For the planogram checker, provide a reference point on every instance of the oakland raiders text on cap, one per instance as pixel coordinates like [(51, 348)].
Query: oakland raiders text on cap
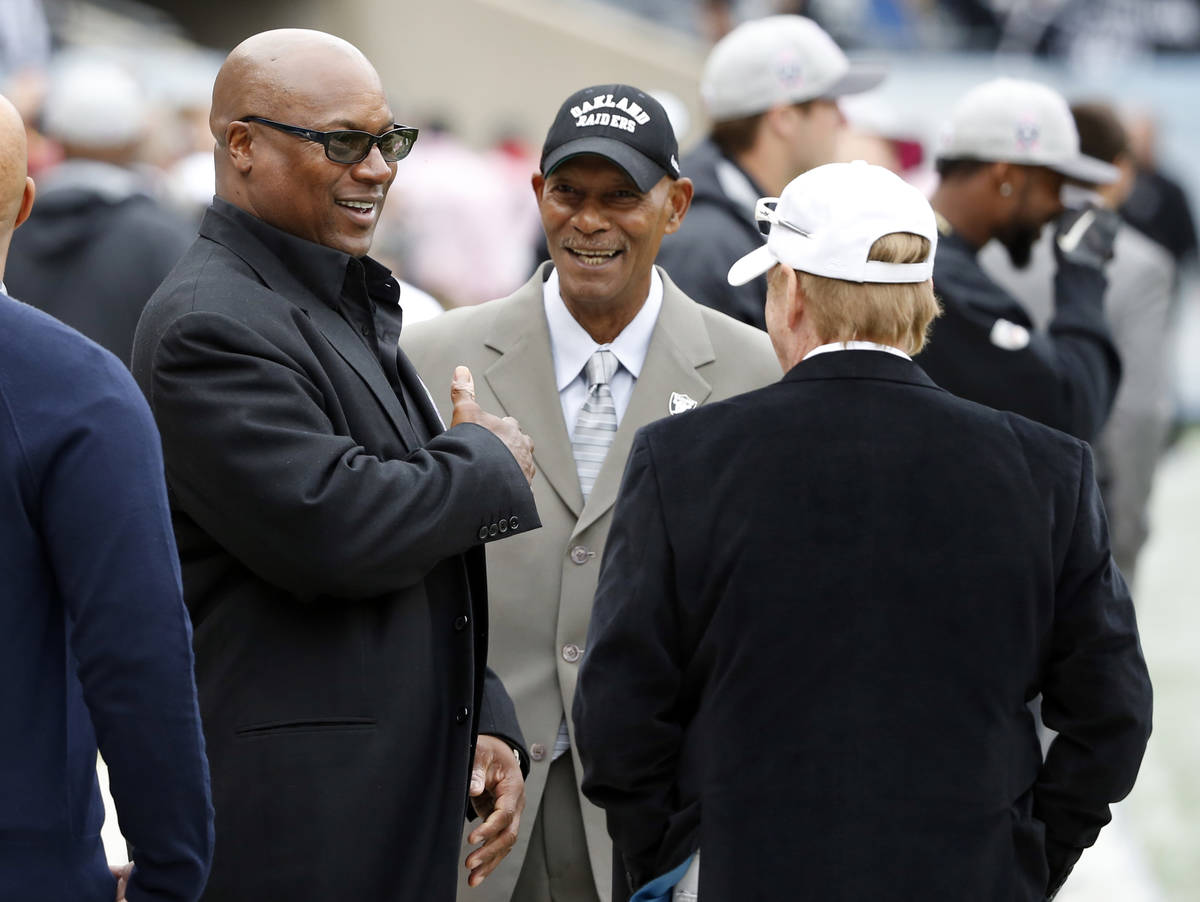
[(619, 123)]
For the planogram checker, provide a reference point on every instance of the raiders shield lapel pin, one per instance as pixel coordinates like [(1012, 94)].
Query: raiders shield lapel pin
[(679, 403)]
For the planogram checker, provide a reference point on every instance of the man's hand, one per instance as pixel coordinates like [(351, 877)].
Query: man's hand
[(1086, 235), (121, 872), (507, 429), (498, 794)]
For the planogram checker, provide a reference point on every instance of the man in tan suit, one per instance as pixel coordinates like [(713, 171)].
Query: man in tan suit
[(598, 343)]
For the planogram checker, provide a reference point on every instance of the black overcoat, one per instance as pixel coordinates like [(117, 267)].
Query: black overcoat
[(333, 567), (823, 609)]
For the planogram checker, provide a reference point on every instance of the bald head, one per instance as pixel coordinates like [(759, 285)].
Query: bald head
[(276, 74), (16, 188)]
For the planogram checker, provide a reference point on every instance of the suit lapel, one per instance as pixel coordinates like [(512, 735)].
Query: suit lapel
[(679, 345), (524, 384), (224, 228), (419, 392), (347, 343)]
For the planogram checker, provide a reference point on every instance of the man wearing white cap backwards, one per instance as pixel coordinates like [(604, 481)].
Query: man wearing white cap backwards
[(1006, 153), (771, 88), (824, 605)]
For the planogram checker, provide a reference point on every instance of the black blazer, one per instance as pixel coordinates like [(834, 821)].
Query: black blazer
[(334, 571), (822, 611)]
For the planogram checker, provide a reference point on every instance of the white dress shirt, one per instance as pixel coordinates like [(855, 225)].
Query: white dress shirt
[(571, 346), (854, 346)]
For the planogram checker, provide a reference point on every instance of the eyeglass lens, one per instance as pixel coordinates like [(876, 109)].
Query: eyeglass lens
[(353, 146)]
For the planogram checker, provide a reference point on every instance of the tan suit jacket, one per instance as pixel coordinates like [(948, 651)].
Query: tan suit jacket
[(541, 585)]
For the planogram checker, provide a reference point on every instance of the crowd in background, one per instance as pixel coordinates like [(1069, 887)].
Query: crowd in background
[(120, 148)]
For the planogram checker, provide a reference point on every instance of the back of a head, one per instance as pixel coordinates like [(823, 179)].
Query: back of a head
[(1101, 134), (862, 241), (891, 313), (94, 106), (13, 171)]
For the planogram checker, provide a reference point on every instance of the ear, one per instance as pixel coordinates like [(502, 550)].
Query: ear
[(26, 201), (780, 119), (679, 200), (239, 147), (539, 185)]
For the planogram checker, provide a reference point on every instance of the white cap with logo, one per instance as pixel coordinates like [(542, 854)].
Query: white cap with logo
[(778, 59), (1010, 120), (827, 219)]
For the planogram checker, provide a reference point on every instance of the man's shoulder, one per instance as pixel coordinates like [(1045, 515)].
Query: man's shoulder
[(211, 277), (467, 329), (34, 340), (733, 341), (45, 362)]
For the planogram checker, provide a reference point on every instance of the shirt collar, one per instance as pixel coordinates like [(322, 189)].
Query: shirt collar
[(855, 346), (322, 270), (738, 186), (571, 346)]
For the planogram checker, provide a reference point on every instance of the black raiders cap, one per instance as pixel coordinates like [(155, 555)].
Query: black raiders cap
[(619, 123)]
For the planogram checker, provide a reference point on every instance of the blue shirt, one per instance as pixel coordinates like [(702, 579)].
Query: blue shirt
[(95, 643)]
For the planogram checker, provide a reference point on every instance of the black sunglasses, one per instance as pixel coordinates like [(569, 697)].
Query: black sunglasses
[(350, 146)]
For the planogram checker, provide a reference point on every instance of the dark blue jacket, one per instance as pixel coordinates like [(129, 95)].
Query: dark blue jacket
[(95, 644), (985, 348), (716, 231)]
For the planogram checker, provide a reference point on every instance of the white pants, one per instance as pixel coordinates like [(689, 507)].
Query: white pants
[(688, 888)]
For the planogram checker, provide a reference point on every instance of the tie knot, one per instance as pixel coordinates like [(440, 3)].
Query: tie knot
[(600, 368)]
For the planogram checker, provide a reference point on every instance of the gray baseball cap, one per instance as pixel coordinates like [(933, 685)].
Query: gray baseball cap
[(774, 60), (1010, 120)]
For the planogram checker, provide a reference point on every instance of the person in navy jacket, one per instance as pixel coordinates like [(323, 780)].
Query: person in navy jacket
[(95, 642), (859, 581)]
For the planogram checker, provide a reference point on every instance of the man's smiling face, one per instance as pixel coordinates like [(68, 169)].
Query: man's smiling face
[(295, 187), (602, 232)]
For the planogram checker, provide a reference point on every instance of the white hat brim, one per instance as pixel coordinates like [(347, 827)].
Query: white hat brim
[(751, 266), (1088, 169), (857, 80)]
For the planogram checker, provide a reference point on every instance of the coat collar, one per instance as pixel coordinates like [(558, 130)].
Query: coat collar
[(859, 365), (311, 277), (523, 381)]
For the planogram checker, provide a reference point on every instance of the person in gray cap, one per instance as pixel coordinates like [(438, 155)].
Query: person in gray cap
[(1138, 307), (99, 241), (598, 343), (1008, 150), (771, 88)]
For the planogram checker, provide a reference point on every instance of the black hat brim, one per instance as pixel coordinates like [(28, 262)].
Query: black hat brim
[(644, 171)]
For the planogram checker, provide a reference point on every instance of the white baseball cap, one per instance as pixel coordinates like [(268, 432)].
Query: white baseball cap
[(778, 59), (827, 219), (1009, 120), (94, 103)]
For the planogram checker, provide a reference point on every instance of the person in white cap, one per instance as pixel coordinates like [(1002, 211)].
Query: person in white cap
[(99, 241), (825, 604), (1008, 150), (770, 87)]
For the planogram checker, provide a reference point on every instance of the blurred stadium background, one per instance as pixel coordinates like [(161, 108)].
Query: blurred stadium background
[(483, 77)]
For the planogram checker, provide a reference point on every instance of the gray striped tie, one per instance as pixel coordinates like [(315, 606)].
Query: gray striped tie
[(597, 423)]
